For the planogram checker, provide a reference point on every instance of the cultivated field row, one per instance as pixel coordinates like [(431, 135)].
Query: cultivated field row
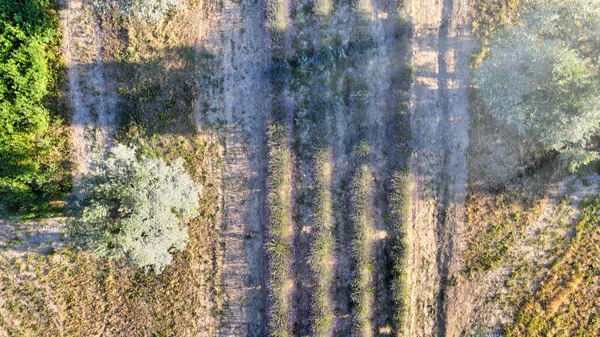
[(336, 205)]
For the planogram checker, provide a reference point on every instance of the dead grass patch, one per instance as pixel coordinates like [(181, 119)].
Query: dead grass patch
[(567, 300)]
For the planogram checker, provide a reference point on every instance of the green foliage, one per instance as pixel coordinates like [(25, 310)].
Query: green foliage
[(150, 10), (31, 170), (133, 208), (543, 76)]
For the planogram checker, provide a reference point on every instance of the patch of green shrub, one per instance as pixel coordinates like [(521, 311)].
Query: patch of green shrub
[(33, 143)]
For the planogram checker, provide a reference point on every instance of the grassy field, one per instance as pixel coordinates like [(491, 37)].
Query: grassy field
[(566, 301)]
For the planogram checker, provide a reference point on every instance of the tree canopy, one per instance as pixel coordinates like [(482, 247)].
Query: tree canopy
[(134, 208), (150, 10), (542, 76), (29, 42)]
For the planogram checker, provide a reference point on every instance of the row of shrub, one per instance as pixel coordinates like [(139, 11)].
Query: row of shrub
[(362, 294), (398, 154), (33, 141), (321, 257), (399, 201), (280, 230)]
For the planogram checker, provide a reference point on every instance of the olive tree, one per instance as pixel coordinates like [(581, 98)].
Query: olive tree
[(134, 208), (150, 10), (542, 76)]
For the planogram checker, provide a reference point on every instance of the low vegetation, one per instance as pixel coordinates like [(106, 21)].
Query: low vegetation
[(34, 146), (322, 249), (279, 231), (133, 208), (400, 217), (566, 302), (362, 252)]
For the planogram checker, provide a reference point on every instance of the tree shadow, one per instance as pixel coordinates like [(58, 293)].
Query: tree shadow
[(44, 237)]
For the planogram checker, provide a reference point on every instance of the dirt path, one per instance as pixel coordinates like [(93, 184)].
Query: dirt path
[(441, 54), (92, 95), (238, 104), (384, 69)]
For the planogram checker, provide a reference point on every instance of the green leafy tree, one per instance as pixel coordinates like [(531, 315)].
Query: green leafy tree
[(542, 75), (134, 208), (29, 39)]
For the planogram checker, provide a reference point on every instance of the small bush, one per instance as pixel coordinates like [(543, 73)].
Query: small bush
[(133, 208)]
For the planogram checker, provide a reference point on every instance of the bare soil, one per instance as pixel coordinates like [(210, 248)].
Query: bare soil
[(92, 94), (441, 55), (236, 109)]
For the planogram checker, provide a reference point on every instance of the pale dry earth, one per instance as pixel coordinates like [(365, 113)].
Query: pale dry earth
[(440, 123), (92, 93), (237, 108)]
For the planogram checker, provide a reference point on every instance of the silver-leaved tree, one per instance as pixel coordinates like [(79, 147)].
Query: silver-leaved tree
[(542, 76), (134, 208), (150, 10)]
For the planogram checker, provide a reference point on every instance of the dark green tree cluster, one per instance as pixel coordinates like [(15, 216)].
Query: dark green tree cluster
[(29, 40)]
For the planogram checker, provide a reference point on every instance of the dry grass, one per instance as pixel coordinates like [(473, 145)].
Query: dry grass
[(508, 182), (567, 300), (158, 67)]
